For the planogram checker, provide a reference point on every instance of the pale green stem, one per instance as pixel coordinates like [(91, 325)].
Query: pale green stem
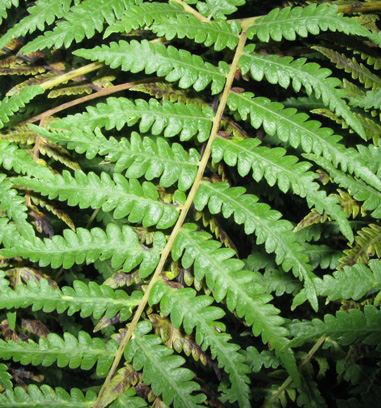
[(191, 10), (184, 211)]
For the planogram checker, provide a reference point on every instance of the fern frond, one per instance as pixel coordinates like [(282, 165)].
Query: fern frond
[(42, 13), (322, 256), (357, 189), (367, 244), (15, 207), (168, 118), (121, 245), (71, 351), (289, 22), (11, 157), (351, 66), (219, 34), (5, 5), (195, 313), (88, 299), (218, 9), (258, 360), (372, 157), (286, 71), (351, 282), (46, 397), (10, 105), (77, 25), (224, 276), (162, 370), (347, 328), (297, 130), (144, 15), (371, 100), (274, 280), (140, 202), (276, 167), (176, 65), (276, 234)]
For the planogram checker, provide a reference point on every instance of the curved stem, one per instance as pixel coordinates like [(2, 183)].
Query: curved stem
[(184, 211)]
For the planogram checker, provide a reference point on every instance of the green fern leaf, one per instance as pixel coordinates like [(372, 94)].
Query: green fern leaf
[(258, 360), (295, 128), (5, 377), (11, 157), (5, 5), (350, 65), (144, 15), (195, 312), (46, 397), (130, 400), (351, 282), (357, 189), (372, 157), (218, 9), (225, 277), (141, 157), (219, 34), (42, 13), (289, 22), (371, 100), (162, 370), (10, 105), (276, 167), (121, 245), (168, 118), (83, 352), (176, 65), (349, 327), (90, 299), (322, 256), (259, 218), (15, 207), (138, 201), (316, 80), (77, 25)]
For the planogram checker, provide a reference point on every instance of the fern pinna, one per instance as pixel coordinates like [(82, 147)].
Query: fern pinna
[(190, 198)]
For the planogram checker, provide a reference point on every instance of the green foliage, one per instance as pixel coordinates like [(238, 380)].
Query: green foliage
[(188, 203)]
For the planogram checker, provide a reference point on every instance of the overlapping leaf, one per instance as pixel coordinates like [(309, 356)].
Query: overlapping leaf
[(83, 352), (140, 202), (188, 69), (41, 13), (120, 245), (299, 73), (276, 167), (218, 9), (291, 21), (88, 299), (162, 370), (297, 130), (195, 313), (225, 277), (276, 234)]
